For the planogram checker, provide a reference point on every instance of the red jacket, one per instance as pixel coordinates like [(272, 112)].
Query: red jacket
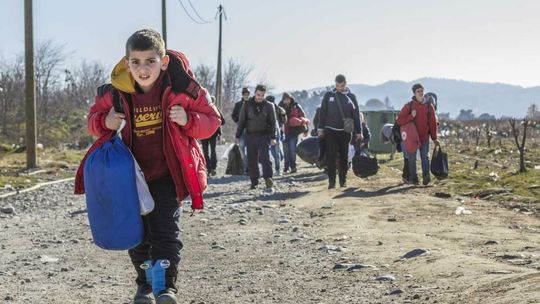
[(182, 152), (425, 126)]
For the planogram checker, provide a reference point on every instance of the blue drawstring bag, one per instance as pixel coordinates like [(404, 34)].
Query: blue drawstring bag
[(111, 196)]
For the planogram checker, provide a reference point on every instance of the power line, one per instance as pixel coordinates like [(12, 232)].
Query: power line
[(196, 13), (189, 15)]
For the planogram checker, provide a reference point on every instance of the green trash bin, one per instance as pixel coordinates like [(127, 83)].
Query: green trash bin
[(375, 121)]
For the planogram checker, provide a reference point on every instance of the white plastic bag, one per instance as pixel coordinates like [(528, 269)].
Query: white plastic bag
[(226, 153), (146, 201)]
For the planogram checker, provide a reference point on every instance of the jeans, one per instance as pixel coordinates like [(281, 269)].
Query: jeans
[(424, 156), (276, 152), (243, 150), (289, 149)]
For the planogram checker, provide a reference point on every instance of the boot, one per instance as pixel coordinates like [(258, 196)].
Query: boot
[(144, 283), (269, 182), (405, 175), (167, 296), (163, 283), (426, 179), (144, 295)]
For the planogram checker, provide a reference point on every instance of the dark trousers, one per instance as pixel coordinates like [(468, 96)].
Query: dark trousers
[(161, 231), (209, 150), (258, 151), (337, 142)]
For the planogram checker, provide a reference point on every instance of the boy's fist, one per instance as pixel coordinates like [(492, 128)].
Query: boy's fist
[(113, 120), (179, 115)]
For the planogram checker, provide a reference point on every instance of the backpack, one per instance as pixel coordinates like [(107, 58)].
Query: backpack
[(235, 165)]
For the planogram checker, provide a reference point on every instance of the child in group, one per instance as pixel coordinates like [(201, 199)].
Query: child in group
[(165, 110)]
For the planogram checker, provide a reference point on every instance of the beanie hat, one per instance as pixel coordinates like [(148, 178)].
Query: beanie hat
[(245, 90)]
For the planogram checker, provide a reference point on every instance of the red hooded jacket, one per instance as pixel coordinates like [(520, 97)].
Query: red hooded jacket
[(182, 152), (425, 126)]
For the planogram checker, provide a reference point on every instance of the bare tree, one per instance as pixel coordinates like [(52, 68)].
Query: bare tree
[(49, 58), (11, 96), (521, 147), (206, 76), (235, 77)]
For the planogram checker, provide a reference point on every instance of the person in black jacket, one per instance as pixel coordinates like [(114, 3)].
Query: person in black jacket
[(235, 117), (331, 127), (258, 119), (209, 146)]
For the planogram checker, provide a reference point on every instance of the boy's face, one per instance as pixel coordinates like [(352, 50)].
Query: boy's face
[(419, 94), (145, 67)]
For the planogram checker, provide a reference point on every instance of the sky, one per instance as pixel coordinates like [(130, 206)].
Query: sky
[(302, 44)]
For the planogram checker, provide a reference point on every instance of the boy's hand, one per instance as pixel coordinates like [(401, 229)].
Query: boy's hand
[(179, 115), (114, 120), (273, 142), (359, 137)]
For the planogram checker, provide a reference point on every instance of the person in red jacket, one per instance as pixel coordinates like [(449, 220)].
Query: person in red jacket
[(422, 114), (165, 110), (296, 124)]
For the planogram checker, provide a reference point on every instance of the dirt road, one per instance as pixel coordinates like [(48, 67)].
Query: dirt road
[(301, 244)]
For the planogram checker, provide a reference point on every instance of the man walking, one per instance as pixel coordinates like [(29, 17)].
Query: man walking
[(422, 114), (339, 117), (258, 119)]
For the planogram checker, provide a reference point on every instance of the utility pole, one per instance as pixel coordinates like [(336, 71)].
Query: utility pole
[(164, 21), (218, 73), (30, 95)]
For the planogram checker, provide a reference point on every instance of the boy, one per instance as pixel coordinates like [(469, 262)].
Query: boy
[(165, 110), (423, 115)]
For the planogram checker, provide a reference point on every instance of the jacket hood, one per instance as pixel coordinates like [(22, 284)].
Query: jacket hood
[(287, 95), (180, 76), (347, 91), (121, 79)]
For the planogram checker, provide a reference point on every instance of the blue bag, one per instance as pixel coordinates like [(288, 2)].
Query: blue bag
[(111, 197)]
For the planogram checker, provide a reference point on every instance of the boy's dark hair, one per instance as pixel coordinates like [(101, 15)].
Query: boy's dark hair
[(416, 86), (144, 40), (340, 78), (271, 98), (260, 87)]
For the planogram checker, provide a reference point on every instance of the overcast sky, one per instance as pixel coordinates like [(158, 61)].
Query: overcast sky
[(300, 44)]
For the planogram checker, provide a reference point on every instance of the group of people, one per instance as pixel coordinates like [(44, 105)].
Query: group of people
[(263, 127), (166, 111)]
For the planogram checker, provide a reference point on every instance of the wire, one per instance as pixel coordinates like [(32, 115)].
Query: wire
[(188, 14), (196, 13)]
